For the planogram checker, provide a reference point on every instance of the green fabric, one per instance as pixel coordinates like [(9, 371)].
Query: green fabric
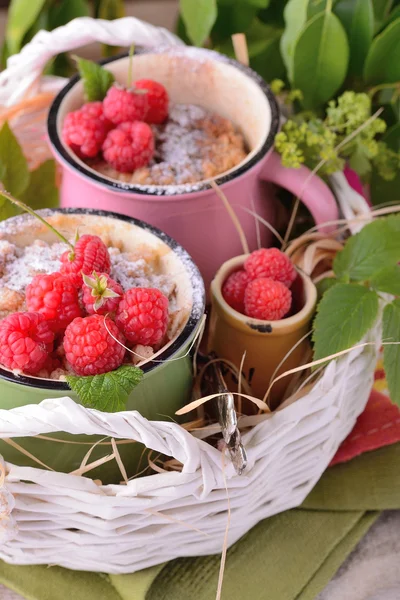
[(290, 556), (337, 557), (55, 583), (136, 585), (369, 482)]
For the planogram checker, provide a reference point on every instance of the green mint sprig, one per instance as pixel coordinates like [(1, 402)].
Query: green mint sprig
[(365, 269), (96, 79), (37, 188), (107, 392)]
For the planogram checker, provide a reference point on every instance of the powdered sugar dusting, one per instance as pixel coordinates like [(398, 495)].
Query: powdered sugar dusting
[(193, 145), (39, 257)]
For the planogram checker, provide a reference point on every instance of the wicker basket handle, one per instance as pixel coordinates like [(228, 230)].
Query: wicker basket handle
[(24, 69), (63, 414)]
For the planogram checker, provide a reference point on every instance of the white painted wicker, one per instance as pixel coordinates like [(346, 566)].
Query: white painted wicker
[(48, 517)]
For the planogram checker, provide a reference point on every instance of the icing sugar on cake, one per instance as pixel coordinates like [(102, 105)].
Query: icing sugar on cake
[(193, 145)]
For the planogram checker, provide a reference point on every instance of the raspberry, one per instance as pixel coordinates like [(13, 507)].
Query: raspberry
[(129, 146), (25, 342), (85, 130), (122, 105), (55, 297), (267, 300), (101, 294), (157, 97), (143, 316), (271, 263), (90, 254), (90, 349), (234, 288)]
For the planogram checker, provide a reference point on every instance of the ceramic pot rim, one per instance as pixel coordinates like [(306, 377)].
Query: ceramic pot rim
[(198, 307), (123, 187), (259, 326)]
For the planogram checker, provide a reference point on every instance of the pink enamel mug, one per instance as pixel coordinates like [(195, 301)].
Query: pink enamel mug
[(193, 214)]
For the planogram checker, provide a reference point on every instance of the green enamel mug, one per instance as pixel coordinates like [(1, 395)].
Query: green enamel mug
[(167, 381)]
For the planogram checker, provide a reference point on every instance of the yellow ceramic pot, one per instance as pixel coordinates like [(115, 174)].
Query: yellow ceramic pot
[(266, 343)]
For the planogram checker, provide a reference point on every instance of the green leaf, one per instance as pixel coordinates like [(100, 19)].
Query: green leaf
[(96, 79), (111, 9), (395, 14), (63, 12), (315, 7), (7, 209), (357, 17), (359, 160), (199, 17), (321, 58), (376, 246), (21, 16), (383, 61), (14, 168), (237, 18), (382, 190), (259, 3), (345, 314), (295, 14), (387, 280), (108, 392), (381, 11), (391, 353), (42, 191), (325, 284)]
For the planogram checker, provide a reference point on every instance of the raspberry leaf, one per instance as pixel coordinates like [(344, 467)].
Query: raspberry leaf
[(376, 246), (42, 191), (96, 79), (107, 392), (391, 353), (345, 314), (13, 166), (387, 280)]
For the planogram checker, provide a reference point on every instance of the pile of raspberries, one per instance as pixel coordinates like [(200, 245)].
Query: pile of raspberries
[(261, 289), (119, 126), (82, 313)]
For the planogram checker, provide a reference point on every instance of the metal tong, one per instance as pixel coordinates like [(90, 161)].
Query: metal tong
[(215, 384)]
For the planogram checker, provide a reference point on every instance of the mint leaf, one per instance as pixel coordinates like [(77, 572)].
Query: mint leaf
[(42, 191), (107, 392), (96, 79), (14, 168), (387, 280), (345, 314), (391, 354), (198, 16), (376, 246)]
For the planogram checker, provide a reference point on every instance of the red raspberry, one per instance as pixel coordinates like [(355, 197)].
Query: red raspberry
[(143, 316), (157, 97), (90, 349), (55, 297), (234, 288), (25, 342), (90, 254), (101, 294), (267, 300), (129, 146), (122, 105), (271, 263), (85, 130)]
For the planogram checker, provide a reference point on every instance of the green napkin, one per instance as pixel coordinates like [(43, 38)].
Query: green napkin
[(290, 556)]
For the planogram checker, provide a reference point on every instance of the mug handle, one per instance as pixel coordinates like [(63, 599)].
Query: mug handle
[(313, 192)]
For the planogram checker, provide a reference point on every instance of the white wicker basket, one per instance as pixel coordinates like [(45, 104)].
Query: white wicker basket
[(53, 518)]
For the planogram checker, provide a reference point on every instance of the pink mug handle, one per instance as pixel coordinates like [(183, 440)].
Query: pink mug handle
[(312, 191)]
